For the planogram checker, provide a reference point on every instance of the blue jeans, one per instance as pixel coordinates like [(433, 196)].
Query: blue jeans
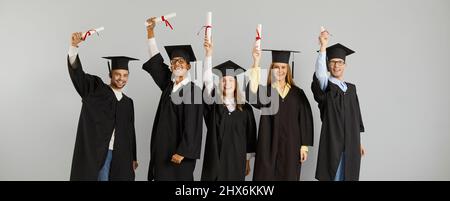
[(103, 175), (340, 176)]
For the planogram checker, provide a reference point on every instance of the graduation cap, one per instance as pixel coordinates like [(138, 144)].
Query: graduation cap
[(118, 62), (282, 56), (184, 51), (338, 51), (228, 68)]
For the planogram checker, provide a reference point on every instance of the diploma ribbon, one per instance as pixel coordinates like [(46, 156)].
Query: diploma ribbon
[(167, 22), (206, 29), (258, 36), (88, 33)]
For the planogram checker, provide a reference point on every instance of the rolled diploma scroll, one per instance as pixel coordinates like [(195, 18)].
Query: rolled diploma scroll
[(322, 29), (90, 32), (208, 25), (258, 37), (166, 17)]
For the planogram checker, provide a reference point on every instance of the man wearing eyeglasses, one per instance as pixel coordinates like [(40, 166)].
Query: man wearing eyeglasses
[(340, 148), (177, 127)]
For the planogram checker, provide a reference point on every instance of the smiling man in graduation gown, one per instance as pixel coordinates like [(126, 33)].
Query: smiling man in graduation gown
[(105, 147), (177, 129), (340, 148)]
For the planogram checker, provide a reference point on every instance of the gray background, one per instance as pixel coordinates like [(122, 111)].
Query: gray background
[(401, 70)]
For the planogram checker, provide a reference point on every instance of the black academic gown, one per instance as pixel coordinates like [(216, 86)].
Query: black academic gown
[(230, 136), (177, 128), (101, 113), (341, 127), (282, 134)]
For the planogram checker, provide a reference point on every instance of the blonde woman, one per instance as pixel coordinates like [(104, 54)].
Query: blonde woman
[(286, 128)]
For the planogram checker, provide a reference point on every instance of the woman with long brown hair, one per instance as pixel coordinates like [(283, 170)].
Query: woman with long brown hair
[(231, 136), (286, 124)]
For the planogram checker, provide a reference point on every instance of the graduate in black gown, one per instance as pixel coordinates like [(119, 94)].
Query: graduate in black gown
[(105, 147), (286, 123), (177, 129), (231, 136), (340, 148)]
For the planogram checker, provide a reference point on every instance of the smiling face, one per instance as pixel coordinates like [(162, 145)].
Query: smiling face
[(228, 85), (336, 67), (279, 71), (179, 66), (119, 78)]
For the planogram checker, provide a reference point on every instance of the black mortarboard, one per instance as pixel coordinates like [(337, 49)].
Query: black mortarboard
[(283, 56), (338, 51), (118, 62), (228, 68), (184, 51)]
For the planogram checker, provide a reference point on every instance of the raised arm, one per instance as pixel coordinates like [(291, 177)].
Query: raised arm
[(155, 66), (254, 90), (207, 66), (153, 48), (255, 71), (83, 82), (321, 71)]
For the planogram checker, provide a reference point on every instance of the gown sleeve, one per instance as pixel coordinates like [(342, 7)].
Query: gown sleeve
[(133, 133), (319, 94), (251, 130), (191, 139), (209, 99), (84, 83), (159, 71), (253, 88), (306, 121), (361, 124), (260, 99)]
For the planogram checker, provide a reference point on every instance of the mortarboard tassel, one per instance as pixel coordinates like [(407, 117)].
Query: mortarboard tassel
[(109, 69), (195, 66), (293, 59)]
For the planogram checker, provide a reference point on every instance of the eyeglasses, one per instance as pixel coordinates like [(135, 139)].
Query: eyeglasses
[(337, 63), (178, 60)]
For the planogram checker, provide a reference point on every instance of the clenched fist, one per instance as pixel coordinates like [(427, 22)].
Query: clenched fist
[(76, 39)]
